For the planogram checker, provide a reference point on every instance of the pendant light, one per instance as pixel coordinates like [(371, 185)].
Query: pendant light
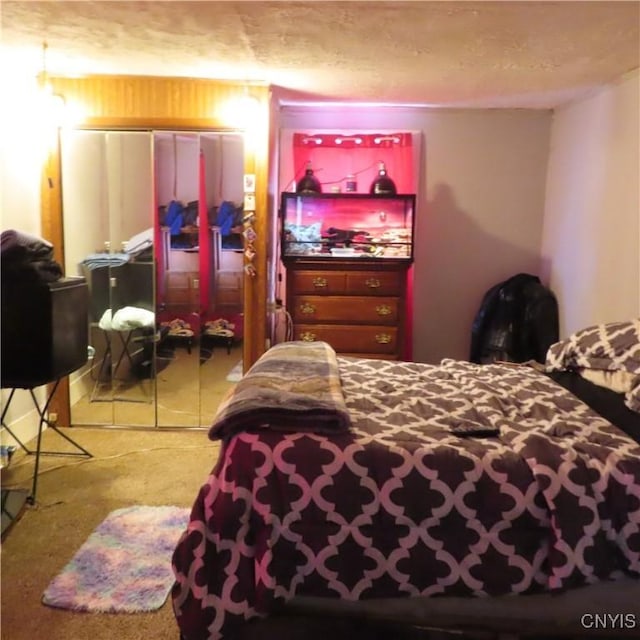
[(383, 184), (309, 182)]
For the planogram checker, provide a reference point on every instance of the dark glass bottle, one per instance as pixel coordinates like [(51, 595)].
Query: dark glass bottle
[(383, 184), (309, 183)]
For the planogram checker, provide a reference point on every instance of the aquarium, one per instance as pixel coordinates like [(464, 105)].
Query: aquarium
[(347, 226)]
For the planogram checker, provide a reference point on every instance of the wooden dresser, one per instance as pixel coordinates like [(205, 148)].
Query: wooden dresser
[(357, 306)]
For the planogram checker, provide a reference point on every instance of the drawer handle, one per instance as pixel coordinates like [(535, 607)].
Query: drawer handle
[(383, 310), (307, 336), (196, 283), (372, 283), (320, 283), (307, 309), (383, 338)]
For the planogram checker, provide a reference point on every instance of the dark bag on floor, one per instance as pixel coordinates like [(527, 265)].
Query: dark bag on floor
[(517, 321)]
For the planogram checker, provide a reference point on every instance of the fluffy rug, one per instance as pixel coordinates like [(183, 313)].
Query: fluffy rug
[(235, 375), (125, 564)]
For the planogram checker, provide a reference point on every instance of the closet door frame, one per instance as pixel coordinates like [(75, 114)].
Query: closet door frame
[(155, 103)]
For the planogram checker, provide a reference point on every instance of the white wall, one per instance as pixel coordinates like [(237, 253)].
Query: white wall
[(129, 176), (224, 164), (179, 167), (23, 147), (480, 207), (176, 167), (591, 238), (84, 196)]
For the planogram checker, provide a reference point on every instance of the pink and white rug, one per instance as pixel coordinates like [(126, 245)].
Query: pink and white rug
[(125, 564)]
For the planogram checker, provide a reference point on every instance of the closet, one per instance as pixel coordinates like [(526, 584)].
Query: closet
[(141, 223)]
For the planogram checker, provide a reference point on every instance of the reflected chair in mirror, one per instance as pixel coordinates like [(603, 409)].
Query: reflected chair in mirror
[(122, 313)]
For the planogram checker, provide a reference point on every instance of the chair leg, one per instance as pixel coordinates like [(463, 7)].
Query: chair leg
[(6, 426), (42, 413)]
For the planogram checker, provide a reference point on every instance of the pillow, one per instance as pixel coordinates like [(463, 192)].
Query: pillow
[(613, 346), (608, 349), (617, 381)]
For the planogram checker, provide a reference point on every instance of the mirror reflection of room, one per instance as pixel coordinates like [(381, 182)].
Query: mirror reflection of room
[(106, 179), (198, 190), (153, 220)]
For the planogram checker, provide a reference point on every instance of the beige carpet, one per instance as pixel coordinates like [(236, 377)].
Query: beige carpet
[(73, 496), (147, 466)]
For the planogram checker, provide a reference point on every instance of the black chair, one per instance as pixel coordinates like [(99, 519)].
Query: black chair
[(44, 339)]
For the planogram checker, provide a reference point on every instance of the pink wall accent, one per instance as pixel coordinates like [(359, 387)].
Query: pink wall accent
[(204, 238), (480, 177)]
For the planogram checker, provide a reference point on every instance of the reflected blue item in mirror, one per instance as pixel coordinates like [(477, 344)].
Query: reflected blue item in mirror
[(174, 218), (226, 217)]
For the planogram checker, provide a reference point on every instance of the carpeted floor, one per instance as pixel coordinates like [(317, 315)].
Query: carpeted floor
[(74, 496)]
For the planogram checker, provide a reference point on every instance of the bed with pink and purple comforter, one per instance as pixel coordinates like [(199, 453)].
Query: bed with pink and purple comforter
[(354, 479)]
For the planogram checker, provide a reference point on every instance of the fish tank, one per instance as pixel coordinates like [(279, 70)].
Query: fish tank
[(347, 226)]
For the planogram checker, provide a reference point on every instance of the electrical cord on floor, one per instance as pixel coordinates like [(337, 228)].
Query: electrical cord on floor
[(289, 325), (73, 463)]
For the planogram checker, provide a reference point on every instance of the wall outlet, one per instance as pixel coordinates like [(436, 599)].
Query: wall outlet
[(52, 417)]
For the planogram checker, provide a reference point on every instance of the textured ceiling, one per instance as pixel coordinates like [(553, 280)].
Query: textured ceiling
[(450, 54)]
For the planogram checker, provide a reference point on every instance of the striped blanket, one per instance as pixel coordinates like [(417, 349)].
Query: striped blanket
[(295, 386)]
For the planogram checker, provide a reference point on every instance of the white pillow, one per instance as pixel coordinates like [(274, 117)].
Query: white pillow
[(618, 381)]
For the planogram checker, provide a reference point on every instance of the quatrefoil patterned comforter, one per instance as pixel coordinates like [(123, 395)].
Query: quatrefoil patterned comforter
[(401, 506)]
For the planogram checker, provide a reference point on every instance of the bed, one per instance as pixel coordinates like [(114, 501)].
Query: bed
[(427, 493)]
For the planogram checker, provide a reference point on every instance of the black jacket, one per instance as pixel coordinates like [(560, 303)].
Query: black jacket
[(517, 321)]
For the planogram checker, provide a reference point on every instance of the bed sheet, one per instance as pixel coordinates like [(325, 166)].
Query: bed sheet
[(400, 506)]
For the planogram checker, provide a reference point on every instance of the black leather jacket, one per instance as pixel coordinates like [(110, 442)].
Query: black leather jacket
[(517, 321)]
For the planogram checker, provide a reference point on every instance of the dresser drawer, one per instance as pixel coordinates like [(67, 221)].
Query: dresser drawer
[(180, 260), (376, 283), (183, 279), (229, 280), (345, 309), (228, 288), (183, 288), (231, 260), (183, 297), (320, 282), (351, 339)]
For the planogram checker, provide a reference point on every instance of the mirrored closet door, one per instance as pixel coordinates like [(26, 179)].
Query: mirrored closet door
[(107, 208), (199, 193), (153, 220)]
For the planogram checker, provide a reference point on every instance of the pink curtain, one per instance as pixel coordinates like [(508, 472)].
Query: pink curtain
[(203, 239), (160, 258), (334, 156)]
